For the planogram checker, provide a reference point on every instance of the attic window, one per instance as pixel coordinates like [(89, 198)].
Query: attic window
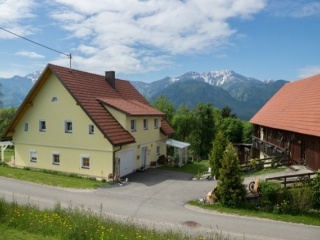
[(54, 99), (91, 129), (68, 126), (42, 126)]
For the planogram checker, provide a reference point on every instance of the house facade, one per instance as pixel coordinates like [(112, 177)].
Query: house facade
[(289, 124), (87, 124)]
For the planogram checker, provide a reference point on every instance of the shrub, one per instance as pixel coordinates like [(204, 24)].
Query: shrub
[(302, 199), (231, 191), (315, 185), (269, 193)]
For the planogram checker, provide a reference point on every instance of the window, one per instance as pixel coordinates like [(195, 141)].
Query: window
[(33, 156), (68, 126), (91, 129), (55, 158), (42, 126), (156, 123), (26, 127), (85, 161), (158, 150), (145, 124), (133, 125)]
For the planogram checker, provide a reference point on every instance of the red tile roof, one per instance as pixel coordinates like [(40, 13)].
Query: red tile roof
[(166, 128), (89, 90), (131, 107), (295, 107)]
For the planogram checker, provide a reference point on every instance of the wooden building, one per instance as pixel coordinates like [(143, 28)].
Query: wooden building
[(289, 124)]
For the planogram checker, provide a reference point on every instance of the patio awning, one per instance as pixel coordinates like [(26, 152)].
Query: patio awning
[(177, 144)]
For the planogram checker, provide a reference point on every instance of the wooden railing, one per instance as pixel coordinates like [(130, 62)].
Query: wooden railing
[(270, 162), (288, 180)]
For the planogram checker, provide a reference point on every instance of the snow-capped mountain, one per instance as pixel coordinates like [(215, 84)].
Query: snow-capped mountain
[(33, 76), (215, 78), (221, 88), (226, 79)]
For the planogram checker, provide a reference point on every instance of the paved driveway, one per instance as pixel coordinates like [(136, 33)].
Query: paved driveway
[(157, 198)]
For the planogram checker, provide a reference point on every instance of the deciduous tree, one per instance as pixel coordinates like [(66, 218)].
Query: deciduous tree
[(164, 105)]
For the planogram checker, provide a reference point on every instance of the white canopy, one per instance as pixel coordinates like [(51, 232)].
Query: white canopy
[(177, 144), (3, 146)]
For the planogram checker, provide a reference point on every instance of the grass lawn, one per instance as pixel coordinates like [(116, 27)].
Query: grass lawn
[(309, 219), (52, 179), (193, 168)]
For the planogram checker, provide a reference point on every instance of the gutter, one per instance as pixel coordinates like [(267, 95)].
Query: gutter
[(114, 162)]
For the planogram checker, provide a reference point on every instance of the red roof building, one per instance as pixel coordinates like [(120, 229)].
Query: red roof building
[(290, 123), (77, 100)]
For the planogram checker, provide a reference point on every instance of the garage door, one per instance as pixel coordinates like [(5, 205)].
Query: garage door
[(126, 162)]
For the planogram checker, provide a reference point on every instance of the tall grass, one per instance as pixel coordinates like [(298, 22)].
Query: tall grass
[(75, 223)]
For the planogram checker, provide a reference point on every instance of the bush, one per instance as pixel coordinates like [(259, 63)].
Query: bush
[(315, 185), (269, 193), (230, 190), (302, 199)]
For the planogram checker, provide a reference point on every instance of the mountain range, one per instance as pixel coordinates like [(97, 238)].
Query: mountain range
[(245, 96)]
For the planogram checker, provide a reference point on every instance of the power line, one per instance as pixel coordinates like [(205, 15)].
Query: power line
[(68, 55)]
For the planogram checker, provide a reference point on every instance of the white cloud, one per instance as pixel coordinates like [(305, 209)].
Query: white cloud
[(13, 16), (29, 54), (297, 8), (138, 36), (309, 71)]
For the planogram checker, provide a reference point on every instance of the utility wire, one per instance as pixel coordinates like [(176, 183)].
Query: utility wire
[(68, 55)]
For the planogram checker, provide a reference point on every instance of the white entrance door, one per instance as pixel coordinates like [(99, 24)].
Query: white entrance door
[(126, 162)]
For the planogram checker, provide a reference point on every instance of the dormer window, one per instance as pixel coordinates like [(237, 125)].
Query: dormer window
[(145, 124), (156, 123), (133, 125)]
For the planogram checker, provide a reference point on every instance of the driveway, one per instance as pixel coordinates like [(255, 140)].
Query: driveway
[(157, 198)]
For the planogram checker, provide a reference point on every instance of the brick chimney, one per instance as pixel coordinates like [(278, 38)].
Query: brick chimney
[(111, 79)]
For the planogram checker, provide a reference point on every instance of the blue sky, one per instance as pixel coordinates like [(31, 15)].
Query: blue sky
[(148, 40)]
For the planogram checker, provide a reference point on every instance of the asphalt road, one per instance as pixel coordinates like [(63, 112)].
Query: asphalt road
[(157, 199)]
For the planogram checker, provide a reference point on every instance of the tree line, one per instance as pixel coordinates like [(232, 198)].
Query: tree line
[(203, 124)]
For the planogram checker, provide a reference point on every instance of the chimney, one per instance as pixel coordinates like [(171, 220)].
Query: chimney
[(111, 79)]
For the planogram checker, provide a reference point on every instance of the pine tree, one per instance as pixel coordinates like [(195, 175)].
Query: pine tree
[(216, 155), (231, 191)]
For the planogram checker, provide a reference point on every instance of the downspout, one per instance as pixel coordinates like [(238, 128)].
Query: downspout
[(114, 162)]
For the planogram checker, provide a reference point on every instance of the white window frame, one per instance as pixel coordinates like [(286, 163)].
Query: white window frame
[(42, 125), (82, 158), (155, 123), (26, 127), (133, 125), (145, 124), (158, 150), (53, 154), (91, 129), (33, 156), (68, 126)]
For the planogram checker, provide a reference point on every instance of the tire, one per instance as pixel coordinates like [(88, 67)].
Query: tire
[(302, 162), (251, 186)]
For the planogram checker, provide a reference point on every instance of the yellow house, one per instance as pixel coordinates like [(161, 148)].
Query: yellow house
[(78, 122)]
